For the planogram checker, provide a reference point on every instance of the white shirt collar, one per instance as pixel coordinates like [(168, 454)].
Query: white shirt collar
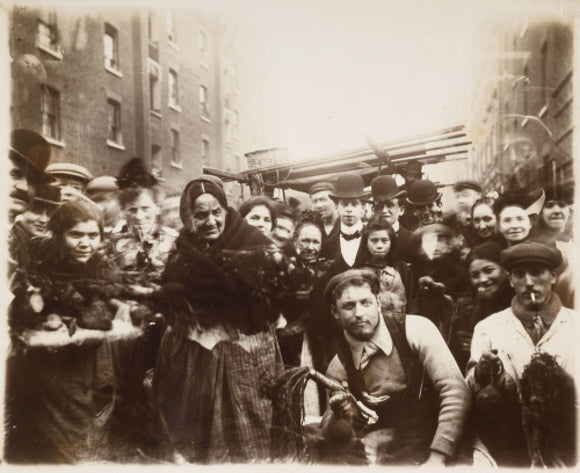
[(353, 228), (396, 226)]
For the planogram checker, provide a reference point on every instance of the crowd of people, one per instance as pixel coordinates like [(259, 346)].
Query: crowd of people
[(423, 332)]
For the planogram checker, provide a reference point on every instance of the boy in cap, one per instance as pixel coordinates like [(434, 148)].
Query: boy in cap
[(104, 192), (72, 179), (536, 322), (401, 368), (323, 205)]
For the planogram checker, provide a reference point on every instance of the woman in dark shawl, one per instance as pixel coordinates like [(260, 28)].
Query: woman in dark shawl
[(221, 345)]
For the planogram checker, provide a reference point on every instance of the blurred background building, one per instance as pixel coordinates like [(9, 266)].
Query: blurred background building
[(521, 115), (171, 86)]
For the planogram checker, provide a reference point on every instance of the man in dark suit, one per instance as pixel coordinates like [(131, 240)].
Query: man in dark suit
[(345, 246), (387, 203)]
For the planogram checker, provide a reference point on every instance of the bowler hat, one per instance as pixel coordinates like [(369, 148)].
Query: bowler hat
[(531, 252), (384, 188), (422, 192), (102, 184), (366, 274), (349, 186), (32, 151), (469, 184), (70, 171), (47, 195), (321, 186)]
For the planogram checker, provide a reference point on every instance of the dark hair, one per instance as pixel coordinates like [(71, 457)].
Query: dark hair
[(483, 201), (71, 213), (377, 224), (286, 211), (255, 201), (130, 194), (309, 217), (357, 282)]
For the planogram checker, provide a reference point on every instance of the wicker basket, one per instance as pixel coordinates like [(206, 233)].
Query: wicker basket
[(267, 157)]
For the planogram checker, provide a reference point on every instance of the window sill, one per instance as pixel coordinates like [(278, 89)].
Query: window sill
[(52, 141), (173, 45), (48, 50), (177, 108), (115, 72), (112, 144), (176, 165), (205, 119), (156, 114)]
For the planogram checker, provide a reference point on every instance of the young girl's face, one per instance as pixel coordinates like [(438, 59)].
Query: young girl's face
[(379, 243)]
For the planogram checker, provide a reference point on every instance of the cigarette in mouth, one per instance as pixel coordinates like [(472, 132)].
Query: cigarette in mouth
[(533, 297)]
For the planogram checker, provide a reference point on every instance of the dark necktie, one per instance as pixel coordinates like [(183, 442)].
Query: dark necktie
[(352, 236)]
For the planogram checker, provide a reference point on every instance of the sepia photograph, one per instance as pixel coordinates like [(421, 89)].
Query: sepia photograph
[(289, 233)]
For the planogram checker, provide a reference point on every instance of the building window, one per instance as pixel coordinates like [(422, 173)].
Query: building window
[(204, 151), (50, 108), (152, 27), (114, 122), (175, 154), (155, 86), (173, 89), (171, 28), (203, 101), (202, 43), (111, 48), (47, 34), (156, 161)]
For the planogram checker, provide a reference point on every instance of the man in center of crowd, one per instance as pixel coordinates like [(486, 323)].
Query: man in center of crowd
[(345, 247), (399, 367)]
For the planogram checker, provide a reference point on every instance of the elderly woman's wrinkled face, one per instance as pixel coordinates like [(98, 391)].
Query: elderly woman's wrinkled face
[(82, 241), (487, 277), (207, 218), (141, 213)]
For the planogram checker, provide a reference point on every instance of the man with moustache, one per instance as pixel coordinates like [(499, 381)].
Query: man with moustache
[(29, 155), (504, 343), (323, 205), (401, 368), (423, 205)]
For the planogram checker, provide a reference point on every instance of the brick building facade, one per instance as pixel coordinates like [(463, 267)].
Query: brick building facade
[(170, 86)]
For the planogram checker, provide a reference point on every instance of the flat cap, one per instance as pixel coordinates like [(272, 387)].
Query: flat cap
[(70, 170), (367, 274), (102, 184), (530, 252), (469, 184), (321, 186)]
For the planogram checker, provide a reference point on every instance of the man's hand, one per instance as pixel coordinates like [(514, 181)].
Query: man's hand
[(428, 284), (488, 365), (343, 405)]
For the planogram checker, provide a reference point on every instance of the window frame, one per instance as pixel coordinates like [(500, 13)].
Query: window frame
[(112, 62), (173, 89), (51, 119), (114, 122)]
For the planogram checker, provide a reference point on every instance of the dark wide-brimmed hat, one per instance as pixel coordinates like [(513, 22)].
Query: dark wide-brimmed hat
[(385, 188), (516, 199), (349, 186), (46, 195), (560, 193), (70, 171), (366, 274), (321, 186), (531, 252), (422, 192), (32, 151), (468, 184)]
